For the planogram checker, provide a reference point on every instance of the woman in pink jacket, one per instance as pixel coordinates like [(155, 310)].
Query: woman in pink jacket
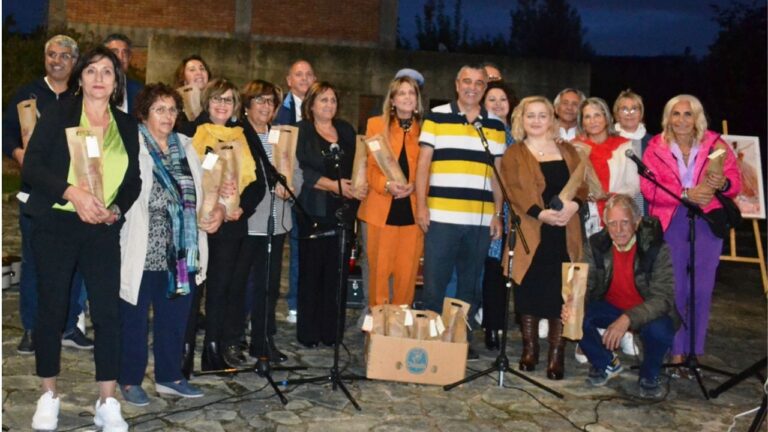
[(679, 158)]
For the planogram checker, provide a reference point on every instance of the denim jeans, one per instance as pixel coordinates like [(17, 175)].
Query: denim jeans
[(449, 246), (656, 336), (293, 272), (28, 282)]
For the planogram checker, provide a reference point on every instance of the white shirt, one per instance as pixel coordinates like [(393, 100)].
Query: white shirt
[(568, 134), (297, 104)]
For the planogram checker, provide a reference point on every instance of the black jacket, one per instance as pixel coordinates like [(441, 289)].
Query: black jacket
[(46, 162)]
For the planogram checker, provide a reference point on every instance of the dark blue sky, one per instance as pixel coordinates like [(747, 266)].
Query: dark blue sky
[(614, 27)]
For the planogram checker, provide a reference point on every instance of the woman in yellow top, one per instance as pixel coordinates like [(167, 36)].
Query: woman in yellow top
[(395, 242), (76, 229), (224, 312)]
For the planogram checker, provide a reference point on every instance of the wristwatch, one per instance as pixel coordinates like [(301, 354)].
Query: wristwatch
[(684, 195)]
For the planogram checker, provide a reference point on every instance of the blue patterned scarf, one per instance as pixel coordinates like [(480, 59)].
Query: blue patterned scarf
[(175, 178)]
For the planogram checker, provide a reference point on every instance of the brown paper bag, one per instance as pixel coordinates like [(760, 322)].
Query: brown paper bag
[(396, 323), (359, 171), (27, 118), (574, 290), (86, 147), (454, 317), (230, 154), (191, 97), (212, 175), (590, 176), (377, 324), (385, 159), (426, 325), (575, 181), (283, 139)]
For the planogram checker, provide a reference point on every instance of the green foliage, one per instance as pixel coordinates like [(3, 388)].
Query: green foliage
[(547, 29)]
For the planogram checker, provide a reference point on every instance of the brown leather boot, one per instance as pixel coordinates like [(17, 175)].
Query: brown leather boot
[(529, 326), (556, 364)]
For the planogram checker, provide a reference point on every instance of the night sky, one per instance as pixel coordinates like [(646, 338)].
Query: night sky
[(614, 27)]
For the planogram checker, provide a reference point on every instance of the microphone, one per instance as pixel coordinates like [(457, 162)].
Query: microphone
[(334, 152), (641, 168), (479, 128), (335, 148)]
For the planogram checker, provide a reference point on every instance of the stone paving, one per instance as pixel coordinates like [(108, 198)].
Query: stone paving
[(737, 339)]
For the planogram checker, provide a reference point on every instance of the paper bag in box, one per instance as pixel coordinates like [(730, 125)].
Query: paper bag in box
[(191, 97), (27, 119), (385, 159), (230, 154), (427, 325), (574, 290), (398, 322), (86, 146), (283, 139)]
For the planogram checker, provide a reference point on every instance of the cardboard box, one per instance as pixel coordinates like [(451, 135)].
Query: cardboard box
[(415, 361)]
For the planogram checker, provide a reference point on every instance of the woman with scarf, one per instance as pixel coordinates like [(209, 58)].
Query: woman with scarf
[(628, 111), (163, 253), (224, 300)]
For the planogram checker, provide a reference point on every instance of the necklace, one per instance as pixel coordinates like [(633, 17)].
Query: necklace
[(533, 147)]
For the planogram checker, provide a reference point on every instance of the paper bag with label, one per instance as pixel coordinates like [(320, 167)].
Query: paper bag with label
[(574, 291), (359, 169), (397, 321), (27, 119), (191, 97), (230, 153), (85, 149), (385, 159), (283, 139), (213, 168), (426, 325), (454, 317)]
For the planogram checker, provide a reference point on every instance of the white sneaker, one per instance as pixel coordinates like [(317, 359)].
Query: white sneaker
[(108, 416), (46, 416), (81, 322), (628, 345), (578, 354), (543, 329), (291, 318)]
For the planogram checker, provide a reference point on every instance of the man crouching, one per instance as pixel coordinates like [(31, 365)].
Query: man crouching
[(630, 287)]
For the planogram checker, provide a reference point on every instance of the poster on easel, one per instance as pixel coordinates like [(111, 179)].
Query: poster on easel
[(751, 199)]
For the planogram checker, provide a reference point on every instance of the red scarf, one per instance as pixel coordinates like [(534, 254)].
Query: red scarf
[(599, 157)]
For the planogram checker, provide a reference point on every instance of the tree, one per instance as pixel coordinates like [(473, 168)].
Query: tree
[(436, 31), (548, 29)]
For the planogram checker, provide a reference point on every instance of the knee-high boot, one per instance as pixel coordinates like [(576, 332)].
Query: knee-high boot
[(556, 364), (529, 326)]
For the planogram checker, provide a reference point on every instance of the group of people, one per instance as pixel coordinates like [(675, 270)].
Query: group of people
[(144, 244)]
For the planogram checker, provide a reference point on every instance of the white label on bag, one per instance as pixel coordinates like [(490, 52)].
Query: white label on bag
[(440, 325), (92, 146), (715, 154), (408, 318), (432, 328), (374, 145), (274, 136), (22, 196), (368, 323), (210, 161)]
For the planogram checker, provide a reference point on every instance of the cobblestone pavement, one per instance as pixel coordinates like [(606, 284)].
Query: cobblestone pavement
[(737, 339)]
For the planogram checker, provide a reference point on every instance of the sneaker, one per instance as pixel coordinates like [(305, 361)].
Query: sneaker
[(600, 377), (291, 318), (81, 322), (579, 355), (134, 395), (46, 416), (27, 344), (650, 388), (628, 345), (543, 329), (182, 388), (108, 416), (76, 339)]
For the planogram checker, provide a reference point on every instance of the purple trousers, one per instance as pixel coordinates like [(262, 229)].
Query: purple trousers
[(707, 249)]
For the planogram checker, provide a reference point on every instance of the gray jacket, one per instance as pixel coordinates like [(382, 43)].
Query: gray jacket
[(654, 277)]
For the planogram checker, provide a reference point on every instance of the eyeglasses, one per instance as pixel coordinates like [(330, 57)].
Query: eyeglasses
[(53, 55), (262, 100), (173, 111), (628, 111), (223, 100)]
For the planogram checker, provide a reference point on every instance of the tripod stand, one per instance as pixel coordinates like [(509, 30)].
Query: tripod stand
[(334, 376), (691, 361), (501, 364)]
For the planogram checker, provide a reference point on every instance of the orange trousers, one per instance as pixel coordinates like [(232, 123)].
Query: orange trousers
[(393, 251)]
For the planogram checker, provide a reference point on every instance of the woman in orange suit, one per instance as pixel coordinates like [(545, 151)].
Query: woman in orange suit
[(395, 242)]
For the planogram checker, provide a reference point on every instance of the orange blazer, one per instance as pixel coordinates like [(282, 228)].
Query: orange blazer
[(375, 207)]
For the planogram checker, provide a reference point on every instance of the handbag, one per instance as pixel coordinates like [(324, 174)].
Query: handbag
[(728, 217)]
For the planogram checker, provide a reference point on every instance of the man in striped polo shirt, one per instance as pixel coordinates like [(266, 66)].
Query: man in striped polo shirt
[(458, 203)]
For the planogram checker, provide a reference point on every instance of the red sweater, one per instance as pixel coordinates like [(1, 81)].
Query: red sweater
[(622, 293)]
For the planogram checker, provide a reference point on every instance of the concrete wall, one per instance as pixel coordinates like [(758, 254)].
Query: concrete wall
[(356, 71)]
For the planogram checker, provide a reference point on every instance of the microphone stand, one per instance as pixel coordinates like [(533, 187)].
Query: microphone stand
[(691, 361), (262, 367), (334, 376), (501, 364)]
